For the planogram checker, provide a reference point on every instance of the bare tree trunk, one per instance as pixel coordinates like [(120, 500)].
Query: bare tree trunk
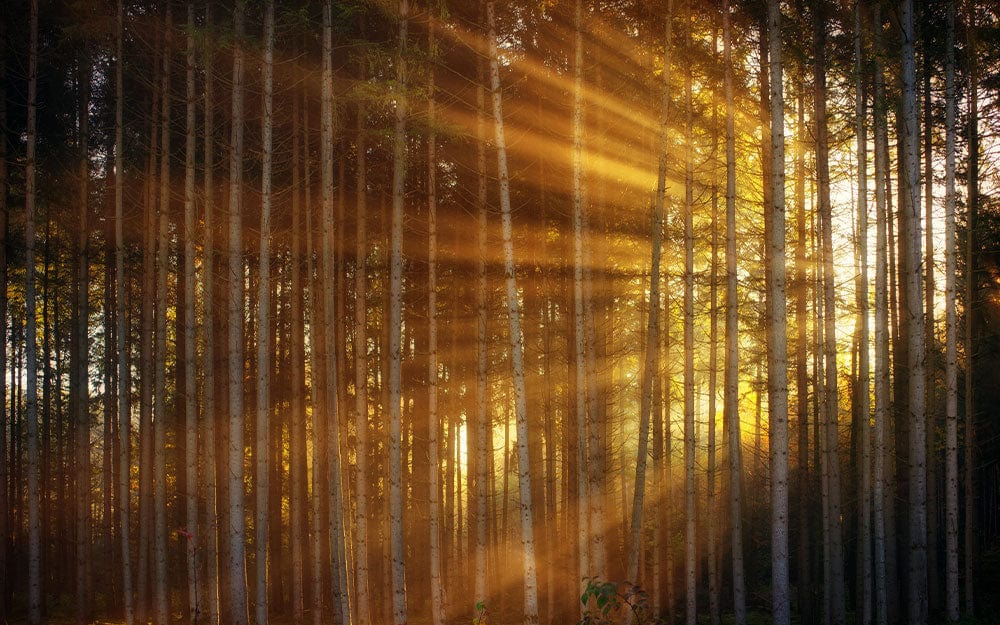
[(690, 510), (917, 576), (951, 334), (395, 321), (31, 349), (971, 223), (161, 600), (262, 449), (777, 336), (190, 382), (235, 568), (731, 381), (437, 590), (80, 359), (4, 495), (516, 336), (862, 394), (580, 368), (882, 363), (336, 530), (211, 526), (651, 360)]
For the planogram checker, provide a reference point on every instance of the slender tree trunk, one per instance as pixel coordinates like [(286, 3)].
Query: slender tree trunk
[(395, 320), (690, 510), (161, 600), (971, 224), (437, 590), (190, 382), (831, 407), (516, 336), (862, 394), (777, 336), (951, 333), (361, 368), (235, 568), (4, 495), (579, 348), (336, 530), (731, 381), (31, 349), (211, 542), (80, 359), (882, 362), (917, 575), (264, 349), (483, 427)]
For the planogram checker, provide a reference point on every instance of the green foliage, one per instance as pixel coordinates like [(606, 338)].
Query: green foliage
[(480, 617), (605, 601)]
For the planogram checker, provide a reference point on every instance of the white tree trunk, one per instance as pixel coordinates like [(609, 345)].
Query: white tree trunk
[(516, 335), (262, 449), (951, 335), (31, 348), (190, 338), (235, 568), (777, 336), (917, 575), (397, 549), (437, 590), (731, 381)]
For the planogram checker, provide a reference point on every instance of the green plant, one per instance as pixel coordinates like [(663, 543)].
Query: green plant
[(610, 598)]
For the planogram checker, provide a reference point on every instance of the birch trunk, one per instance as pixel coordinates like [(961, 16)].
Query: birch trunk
[(916, 409), (336, 530), (395, 322), (262, 448), (516, 335), (31, 348), (161, 601), (190, 383), (235, 568), (437, 590), (951, 334), (211, 542), (777, 378), (731, 405)]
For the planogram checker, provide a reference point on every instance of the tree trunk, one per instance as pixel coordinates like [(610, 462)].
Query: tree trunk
[(516, 336), (235, 568), (264, 349), (951, 334), (777, 336), (910, 232), (731, 381), (395, 321), (690, 532), (971, 223), (31, 349)]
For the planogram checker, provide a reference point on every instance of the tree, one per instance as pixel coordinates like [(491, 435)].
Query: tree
[(516, 333)]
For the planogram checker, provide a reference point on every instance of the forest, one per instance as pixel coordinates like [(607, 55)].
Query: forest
[(300, 325)]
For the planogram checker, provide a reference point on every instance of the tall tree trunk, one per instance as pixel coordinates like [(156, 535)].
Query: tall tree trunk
[(579, 340), (437, 590), (516, 335), (862, 393), (4, 495), (777, 336), (917, 575), (161, 600), (882, 362), (190, 381), (236, 543), (80, 359), (31, 349), (210, 437), (264, 349), (361, 367), (971, 223), (951, 333), (731, 381), (690, 531), (831, 407), (335, 503), (395, 321)]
